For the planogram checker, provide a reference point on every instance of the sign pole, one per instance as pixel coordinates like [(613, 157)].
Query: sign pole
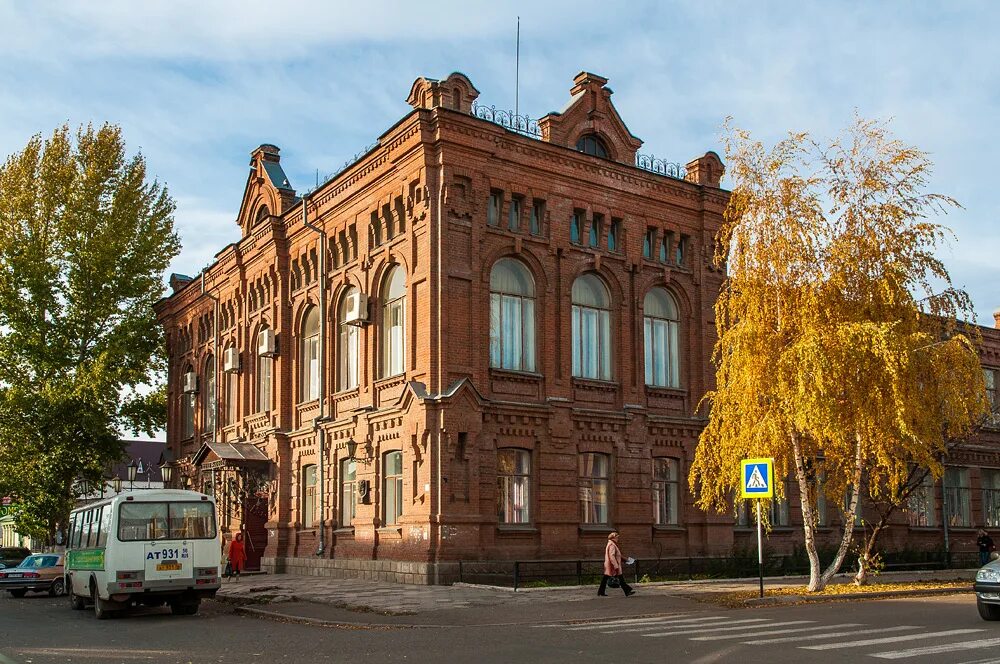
[(760, 552)]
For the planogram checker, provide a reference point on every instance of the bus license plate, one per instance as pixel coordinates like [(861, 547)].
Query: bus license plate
[(168, 566)]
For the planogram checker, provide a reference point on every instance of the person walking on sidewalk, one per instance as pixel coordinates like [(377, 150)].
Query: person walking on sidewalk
[(986, 547), (613, 568), (237, 555)]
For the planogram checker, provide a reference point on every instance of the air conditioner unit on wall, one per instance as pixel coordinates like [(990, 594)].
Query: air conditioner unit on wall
[(231, 360), (266, 345), (357, 309), (190, 382)]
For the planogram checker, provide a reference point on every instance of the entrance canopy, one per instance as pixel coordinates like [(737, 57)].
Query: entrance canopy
[(230, 454)]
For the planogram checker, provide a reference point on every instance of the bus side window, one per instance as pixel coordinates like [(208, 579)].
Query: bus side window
[(99, 537), (105, 525), (71, 531), (87, 528), (77, 527)]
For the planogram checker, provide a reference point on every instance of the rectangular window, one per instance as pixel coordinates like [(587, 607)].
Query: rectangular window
[(310, 373), (264, 365), (991, 497), (513, 486), (957, 498), (392, 488), (514, 214), (308, 496), (138, 521), (596, 226), (537, 215), (822, 518), (394, 338), (668, 239), (920, 504), (680, 250), (493, 209), (595, 471), (591, 332), (990, 376), (779, 510), (348, 492), (614, 235), (575, 226), (648, 242), (665, 492), (348, 356)]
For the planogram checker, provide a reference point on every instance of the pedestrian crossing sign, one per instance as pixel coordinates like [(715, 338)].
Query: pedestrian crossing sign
[(757, 478)]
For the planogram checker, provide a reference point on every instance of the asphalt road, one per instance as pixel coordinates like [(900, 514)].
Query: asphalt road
[(940, 630)]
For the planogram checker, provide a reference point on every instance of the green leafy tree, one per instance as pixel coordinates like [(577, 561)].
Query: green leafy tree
[(84, 242), (840, 353)]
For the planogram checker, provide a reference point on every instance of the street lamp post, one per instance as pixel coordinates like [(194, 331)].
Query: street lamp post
[(116, 484), (131, 474), (167, 473)]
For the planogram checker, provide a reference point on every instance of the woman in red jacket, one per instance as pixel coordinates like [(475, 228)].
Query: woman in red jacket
[(613, 567), (237, 555)]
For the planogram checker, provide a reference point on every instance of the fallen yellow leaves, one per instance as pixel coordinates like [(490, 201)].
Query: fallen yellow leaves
[(833, 592)]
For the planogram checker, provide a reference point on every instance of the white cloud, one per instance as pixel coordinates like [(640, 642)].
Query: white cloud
[(197, 85)]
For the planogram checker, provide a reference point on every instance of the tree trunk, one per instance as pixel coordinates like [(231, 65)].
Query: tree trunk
[(863, 577), (850, 514), (808, 518)]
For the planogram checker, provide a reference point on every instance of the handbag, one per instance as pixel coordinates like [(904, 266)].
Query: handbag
[(613, 582), (229, 569)]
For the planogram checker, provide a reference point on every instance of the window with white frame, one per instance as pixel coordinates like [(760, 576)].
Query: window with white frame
[(512, 316), (309, 356), (347, 360), (513, 486), (660, 329), (208, 395), (595, 474), (991, 497), (665, 491), (576, 226), (392, 488), (493, 208), (348, 492), (992, 378), (393, 320), (957, 497), (308, 496), (920, 504), (187, 408), (591, 328), (265, 367), (514, 214)]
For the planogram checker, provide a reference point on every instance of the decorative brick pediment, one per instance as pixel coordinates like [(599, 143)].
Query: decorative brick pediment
[(455, 92), (268, 192), (591, 113)]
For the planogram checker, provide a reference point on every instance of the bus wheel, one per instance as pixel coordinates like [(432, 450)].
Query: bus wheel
[(100, 606), (76, 602), (188, 608)]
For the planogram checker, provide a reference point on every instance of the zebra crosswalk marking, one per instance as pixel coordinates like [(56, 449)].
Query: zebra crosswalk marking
[(741, 628), (685, 624), (658, 623), (891, 639), (936, 650), (629, 621), (723, 637), (831, 635)]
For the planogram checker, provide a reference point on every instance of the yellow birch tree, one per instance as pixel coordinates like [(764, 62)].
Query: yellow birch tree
[(841, 353)]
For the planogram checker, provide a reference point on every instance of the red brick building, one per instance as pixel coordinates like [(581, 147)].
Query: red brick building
[(483, 339), (518, 325)]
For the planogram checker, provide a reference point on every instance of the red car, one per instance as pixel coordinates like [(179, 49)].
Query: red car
[(40, 573)]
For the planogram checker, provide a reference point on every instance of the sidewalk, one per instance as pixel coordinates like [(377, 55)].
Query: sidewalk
[(362, 603)]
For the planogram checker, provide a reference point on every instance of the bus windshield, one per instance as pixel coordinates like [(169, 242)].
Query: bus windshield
[(139, 521)]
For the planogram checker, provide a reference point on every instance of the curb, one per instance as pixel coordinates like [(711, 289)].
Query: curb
[(885, 594), (319, 622)]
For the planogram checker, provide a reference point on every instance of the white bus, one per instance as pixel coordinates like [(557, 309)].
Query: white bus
[(150, 547)]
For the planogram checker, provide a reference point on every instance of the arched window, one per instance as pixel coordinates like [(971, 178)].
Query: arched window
[(265, 367), (512, 316), (309, 356), (347, 349), (187, 407), (208, 395), (591, 328), (232, 379), (262, 213), (660, 323), (393, 317), (591, 144)]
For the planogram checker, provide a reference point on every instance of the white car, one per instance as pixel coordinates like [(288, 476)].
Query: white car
[(987, 589)]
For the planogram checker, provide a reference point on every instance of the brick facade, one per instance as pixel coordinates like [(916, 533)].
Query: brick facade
[(435, 198)]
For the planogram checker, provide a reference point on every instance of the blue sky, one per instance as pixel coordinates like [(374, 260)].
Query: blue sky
[(197, 85)]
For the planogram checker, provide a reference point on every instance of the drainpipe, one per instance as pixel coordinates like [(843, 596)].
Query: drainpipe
[(317, 421)]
